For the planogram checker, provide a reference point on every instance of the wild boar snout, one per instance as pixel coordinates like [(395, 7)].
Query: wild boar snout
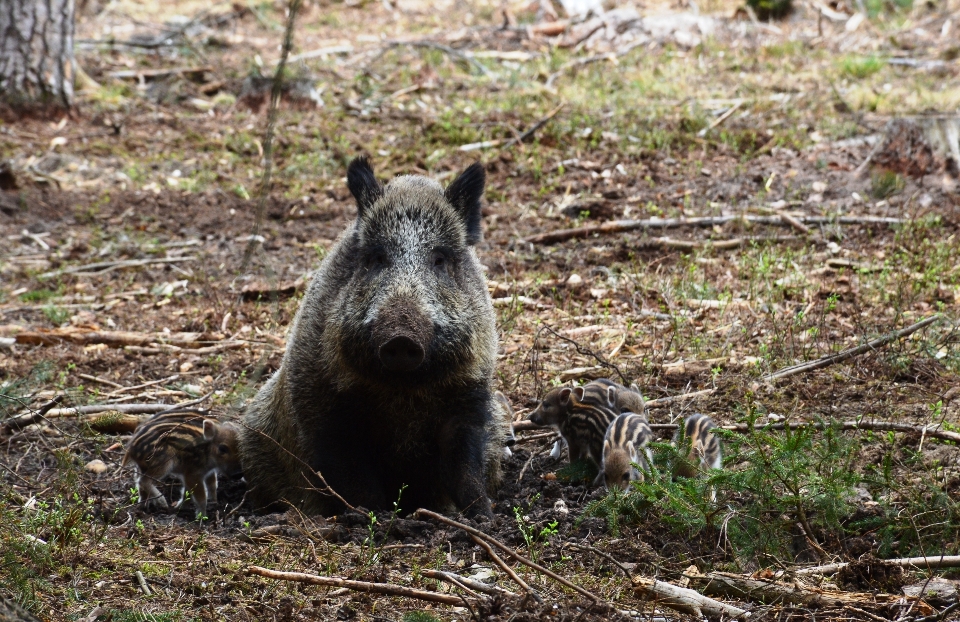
[(402, 335)]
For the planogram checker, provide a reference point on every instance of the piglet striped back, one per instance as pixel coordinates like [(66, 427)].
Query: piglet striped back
[(705, 451), (624, 445)]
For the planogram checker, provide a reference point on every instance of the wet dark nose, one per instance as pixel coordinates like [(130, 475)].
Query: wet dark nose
[(401, 354)]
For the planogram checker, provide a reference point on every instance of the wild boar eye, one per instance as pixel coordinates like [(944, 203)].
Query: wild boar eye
[(439, 260), (626, 477), (223, 449), (377, 260)]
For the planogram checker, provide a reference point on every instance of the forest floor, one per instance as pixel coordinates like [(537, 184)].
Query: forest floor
[(136, 214)]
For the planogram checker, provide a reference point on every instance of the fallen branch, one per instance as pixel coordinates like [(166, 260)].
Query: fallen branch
[(851, 352), (161, 348), (930, 431), (934, 561), (503, 547), (719, 120), (479, 586), (98, 380), (685, 600), (535, 127), (113, 422), (22, 421), (580, 62), (666, 401), (535, 437), (936, 617), (276, 91), (507, 569), (792, 220), (446, 49), (595, 551), (143, 386), (769, 592), (388, 589), (114, 339), (126, 74), (109, 266), (619, 226)]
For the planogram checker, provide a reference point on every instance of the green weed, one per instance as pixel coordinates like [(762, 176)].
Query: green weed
[(56, 315), (861, 67), (885, 184), (534, 540)]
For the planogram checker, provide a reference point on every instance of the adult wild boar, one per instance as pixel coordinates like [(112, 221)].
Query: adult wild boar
[(386, 379)]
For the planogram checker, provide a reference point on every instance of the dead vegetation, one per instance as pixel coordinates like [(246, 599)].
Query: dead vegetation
[(812, 210)]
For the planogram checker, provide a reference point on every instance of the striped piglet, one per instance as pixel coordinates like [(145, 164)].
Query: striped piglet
[(625, 449), (189, 446)]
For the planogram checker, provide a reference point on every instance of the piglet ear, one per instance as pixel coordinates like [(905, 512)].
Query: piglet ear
[(464, 195), (612, 397), (209, 429), (565, 395), (363, 184), (578, 393)]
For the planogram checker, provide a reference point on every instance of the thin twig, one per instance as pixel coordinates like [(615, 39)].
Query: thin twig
[(666, 401), (607, 556), (506, 549), (507, 569), (357, 586), (22, 421), (433, 45), (851, 352), (275, 93), (939, 616), (103, 267), (719, 120), (620, 226), (930, 430), (535, 127), (583, 351), (323, 481), (143, 584), (98, 380), (144, 385), (932, 561), (479, 586)]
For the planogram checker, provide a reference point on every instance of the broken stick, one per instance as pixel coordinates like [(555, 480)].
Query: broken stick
[(507, 569), (22, 421), (479, 586), (506, 549), (685, 600), (535, 127), (931, 561), (851, 352), (388, 589), (744, 588), (619, 226), (109, 266)]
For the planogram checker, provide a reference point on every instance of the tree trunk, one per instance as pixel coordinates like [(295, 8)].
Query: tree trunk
[(36, 52)]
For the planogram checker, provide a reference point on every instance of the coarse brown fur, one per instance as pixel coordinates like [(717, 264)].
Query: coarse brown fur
[(386, 379), (581, 415), (191, 447)]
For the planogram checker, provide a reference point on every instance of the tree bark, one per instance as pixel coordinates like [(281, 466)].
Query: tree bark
[(36, 52)]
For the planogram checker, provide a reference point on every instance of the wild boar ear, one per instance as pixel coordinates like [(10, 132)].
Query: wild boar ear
[(363, 184), (578, 393), (464, 195), (612, 397), (209, 429), (565, 395)]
